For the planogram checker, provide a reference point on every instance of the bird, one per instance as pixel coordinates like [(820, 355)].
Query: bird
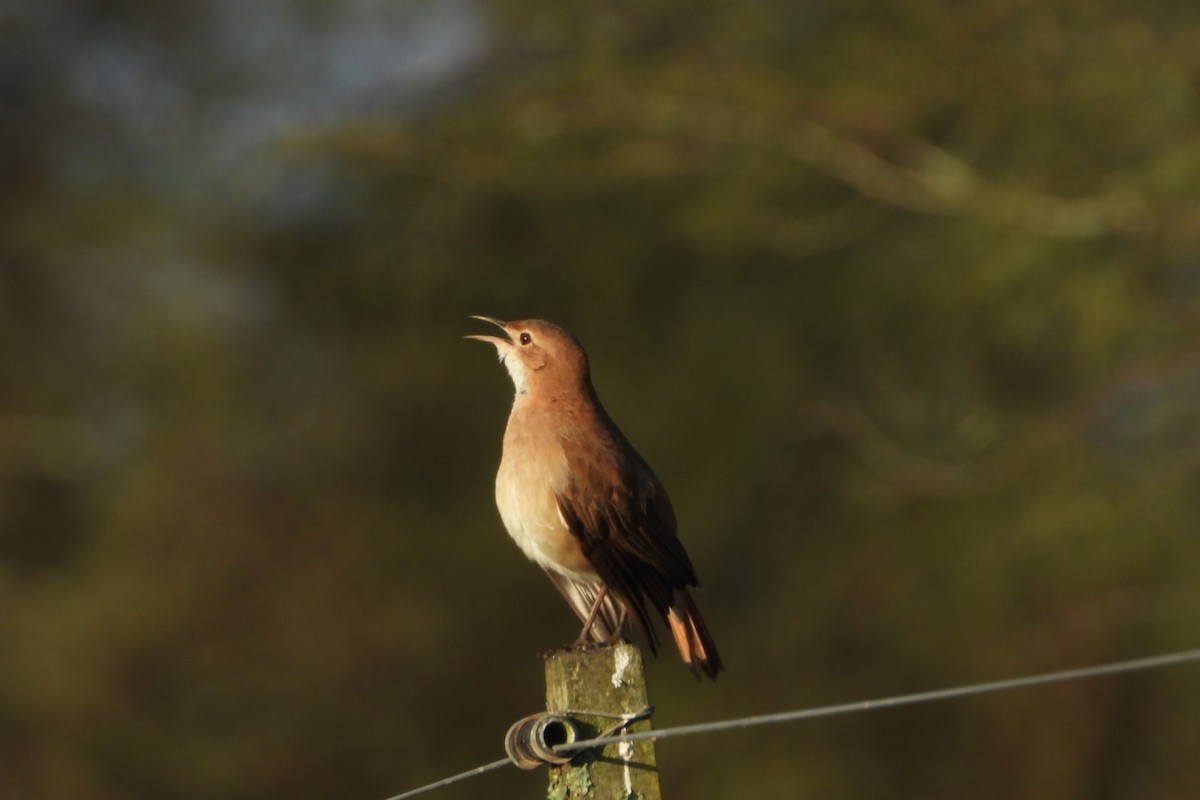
[(583, 504)]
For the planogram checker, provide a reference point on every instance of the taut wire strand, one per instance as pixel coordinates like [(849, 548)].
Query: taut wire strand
[(898, 700), (1114, 668)]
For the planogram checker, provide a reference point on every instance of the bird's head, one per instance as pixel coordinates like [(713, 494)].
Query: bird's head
[(537, 353)]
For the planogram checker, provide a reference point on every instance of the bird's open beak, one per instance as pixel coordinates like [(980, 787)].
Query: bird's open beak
[(496, 340)]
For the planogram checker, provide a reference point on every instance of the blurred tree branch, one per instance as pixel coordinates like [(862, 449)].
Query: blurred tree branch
[(1005, 454)]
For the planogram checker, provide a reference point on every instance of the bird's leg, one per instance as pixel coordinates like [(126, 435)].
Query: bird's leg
[(582, 641), (619, 633)]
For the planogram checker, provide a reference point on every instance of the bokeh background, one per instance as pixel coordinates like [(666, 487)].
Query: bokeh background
[(901, 298)]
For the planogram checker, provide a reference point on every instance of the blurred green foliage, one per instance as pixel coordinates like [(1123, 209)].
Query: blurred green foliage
[(900, 298)]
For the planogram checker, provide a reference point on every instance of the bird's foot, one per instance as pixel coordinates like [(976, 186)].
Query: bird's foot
[(614, 640), (581, 645), (573, 647), (585, 644)]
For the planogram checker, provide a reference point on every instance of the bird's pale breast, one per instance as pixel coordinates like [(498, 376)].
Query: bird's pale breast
[(533, 471)]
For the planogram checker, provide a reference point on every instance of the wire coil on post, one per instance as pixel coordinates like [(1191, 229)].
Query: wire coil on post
[(530, 742)]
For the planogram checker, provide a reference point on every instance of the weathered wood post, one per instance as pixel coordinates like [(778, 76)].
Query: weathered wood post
[(609, 680)]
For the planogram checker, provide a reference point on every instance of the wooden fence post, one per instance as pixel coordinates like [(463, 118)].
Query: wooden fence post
[(609, 680)]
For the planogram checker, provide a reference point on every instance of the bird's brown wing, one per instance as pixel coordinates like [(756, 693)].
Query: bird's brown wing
[(617, 508)]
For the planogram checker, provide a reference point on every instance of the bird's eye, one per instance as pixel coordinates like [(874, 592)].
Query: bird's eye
[(525, 338)]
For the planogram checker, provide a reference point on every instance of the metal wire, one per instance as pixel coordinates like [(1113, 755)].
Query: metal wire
[(890, 702), (1114, 668), (462, 776)]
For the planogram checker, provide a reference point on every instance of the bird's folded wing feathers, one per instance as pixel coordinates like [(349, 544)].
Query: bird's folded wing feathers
[(626, 528), (581, 596)]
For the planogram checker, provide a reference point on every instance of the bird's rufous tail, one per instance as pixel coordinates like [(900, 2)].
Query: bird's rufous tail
[(695, 643)]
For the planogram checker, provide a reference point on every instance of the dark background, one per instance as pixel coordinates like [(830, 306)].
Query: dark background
[(901, 299)]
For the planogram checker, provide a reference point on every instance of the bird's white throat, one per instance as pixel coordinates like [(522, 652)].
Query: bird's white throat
[(516, 370)]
